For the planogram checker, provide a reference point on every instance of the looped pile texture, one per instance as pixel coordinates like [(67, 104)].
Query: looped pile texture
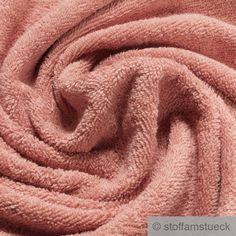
[(112, 111)]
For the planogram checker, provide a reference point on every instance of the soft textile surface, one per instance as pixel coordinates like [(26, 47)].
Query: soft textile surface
[(112, 111)]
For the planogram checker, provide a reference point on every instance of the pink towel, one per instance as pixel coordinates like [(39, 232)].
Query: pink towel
[(112, 111)]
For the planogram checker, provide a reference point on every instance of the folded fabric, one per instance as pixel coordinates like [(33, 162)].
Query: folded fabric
[(113, 111)]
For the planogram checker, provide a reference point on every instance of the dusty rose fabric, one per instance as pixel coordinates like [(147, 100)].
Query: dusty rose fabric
[(112, 111)]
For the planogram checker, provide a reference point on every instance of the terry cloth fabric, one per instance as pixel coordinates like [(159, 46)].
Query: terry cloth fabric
[(112, 111)]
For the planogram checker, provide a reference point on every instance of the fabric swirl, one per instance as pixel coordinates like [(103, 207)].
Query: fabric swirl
[(112, 111)]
